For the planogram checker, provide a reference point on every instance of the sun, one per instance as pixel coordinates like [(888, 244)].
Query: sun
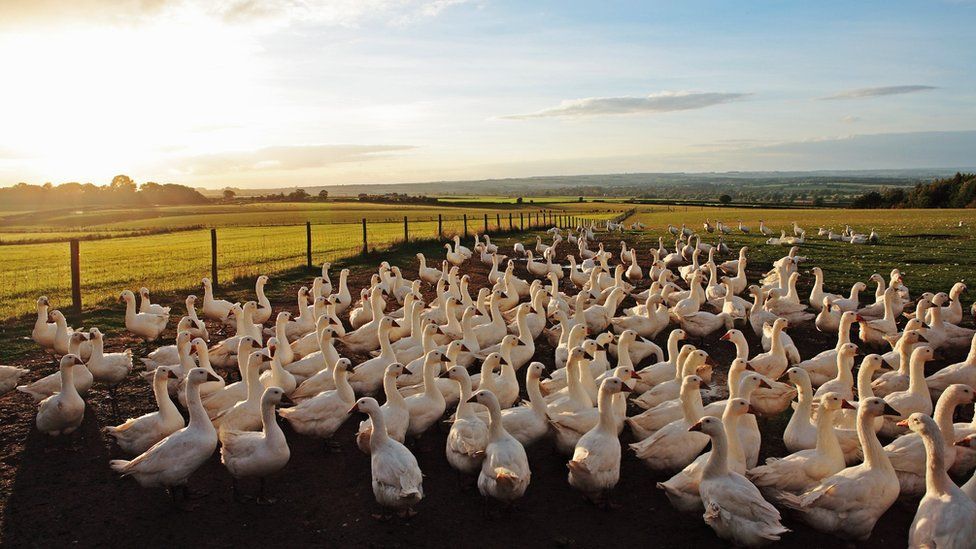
[(89, 102)]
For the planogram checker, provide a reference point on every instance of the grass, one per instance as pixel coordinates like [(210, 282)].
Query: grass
[(178, 260), (926, 245)]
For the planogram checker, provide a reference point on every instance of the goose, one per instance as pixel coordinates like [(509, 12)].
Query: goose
[(429, 275), (170, 462), (257, 454), (664, 370), (50, 384), (454, 258), (223, 398), (773, 363), (62, 412), (505, 472), (682, 489), (468, 437), (427, 407), (366, 337), (829, 318), (848, 503), (343, 299), (147, 306), (396, 478), (817, 294), (766, 231), (915, 399), (673, 446), (843, 382), (323, 414), (598, 317), (850, 303), (276, 375), (890, 382), (946, 516), (263, 312), (595, 466), (702, 323), (448, 388), (245, 415), (906, 452), (198, 347), (64, 338), (734, 507), (310, 366), (634, 272), (10, 377), (368, 376), (758, 316), (214, 309), (570, 426), (802, 470), (800, 432), (396, 415), (108, 369), (147, 326), (44, 332), (961, 372), (529, 423), (691, 362), (778, 303), (574, 396), (873, 331), (137, 435), (649, 324), (197, 327)]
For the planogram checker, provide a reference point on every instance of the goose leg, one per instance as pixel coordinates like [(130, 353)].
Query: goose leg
[(262, 499)]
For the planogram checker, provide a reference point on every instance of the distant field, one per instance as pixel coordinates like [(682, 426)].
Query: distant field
[(926, 245), (178, 260), (526, 200)]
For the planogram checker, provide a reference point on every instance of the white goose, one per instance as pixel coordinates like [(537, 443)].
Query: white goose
[(257, 454), (50, 384), (673, 446), (214, 309), (245, 415), (394, 410), (137, 435), (147, 326), (62, 412), (505, 472), (427, 407), (468, 437), (170, 462), (322, 415), (946, 516), (595, 466), (396, 478), (734, 508), (44, 332), (849, 503)]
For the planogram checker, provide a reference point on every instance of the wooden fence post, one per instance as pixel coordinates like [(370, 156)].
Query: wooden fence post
[(486, 223), (465, 226), (498, 221), (213, 258), (75, 277), (365, 244), (308, 244), (440, 226), (521, 221), (406, 233), (511, 225)]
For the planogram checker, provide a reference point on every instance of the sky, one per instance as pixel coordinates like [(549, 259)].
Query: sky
[(266, 93)]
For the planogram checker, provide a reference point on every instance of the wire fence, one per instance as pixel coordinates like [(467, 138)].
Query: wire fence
[(178, 260)]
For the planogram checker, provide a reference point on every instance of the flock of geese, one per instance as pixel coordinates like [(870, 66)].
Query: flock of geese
[(345, 353)]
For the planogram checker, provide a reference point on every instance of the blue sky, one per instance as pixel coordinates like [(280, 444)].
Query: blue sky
[(282, 92)]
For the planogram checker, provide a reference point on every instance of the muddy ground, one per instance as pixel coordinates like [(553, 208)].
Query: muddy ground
[(61, 490)]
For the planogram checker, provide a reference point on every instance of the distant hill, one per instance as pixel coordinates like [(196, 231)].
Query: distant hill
[(828, 184)]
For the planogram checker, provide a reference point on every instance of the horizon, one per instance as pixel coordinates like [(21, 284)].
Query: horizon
[(336, 93)]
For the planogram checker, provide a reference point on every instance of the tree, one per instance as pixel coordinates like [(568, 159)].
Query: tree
[(518, 200), (299, 195), (580, 199), (229, 194), (323, 195), (725, 199)]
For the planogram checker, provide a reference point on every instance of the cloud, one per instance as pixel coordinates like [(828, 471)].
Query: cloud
[(851, 119), (653, 103), (128, 12), (866, 93), (283, 158)]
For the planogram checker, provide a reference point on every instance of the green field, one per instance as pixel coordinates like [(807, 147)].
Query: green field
[(927, 245), (178, 260)]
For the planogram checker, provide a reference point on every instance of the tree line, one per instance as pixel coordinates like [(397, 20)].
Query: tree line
[(122, 191), (958, 191)]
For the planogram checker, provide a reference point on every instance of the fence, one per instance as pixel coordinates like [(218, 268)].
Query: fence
[(73, 274)]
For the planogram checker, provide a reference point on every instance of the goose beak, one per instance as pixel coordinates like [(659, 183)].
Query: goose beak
[(859, 318), (170, 374), (844, 404), (695, 427), (635, 375), (444, 375), (922, 339), (749, 367), (286, 401), (212, 377), (472, 398), (355, 408), (725, 337), (753, 410), (625, 389), (710, 361), (902, 423), (889, 411), (78, 361), (545, 375), (764, 385), (703, 385), (965, 443)]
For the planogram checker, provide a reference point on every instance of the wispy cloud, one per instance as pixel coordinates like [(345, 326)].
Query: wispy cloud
[(283, 158), (128, 12), (653, 103), (866, 93)]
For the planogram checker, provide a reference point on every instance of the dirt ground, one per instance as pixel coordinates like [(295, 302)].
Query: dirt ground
[(61, 490)]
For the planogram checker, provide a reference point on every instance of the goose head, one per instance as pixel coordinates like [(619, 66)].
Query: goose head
[(272, 396), (246, 344), (711, 426), (366, 405), (126, 296), (196, 376), (537, 370), (614, 385), (958, 393)]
